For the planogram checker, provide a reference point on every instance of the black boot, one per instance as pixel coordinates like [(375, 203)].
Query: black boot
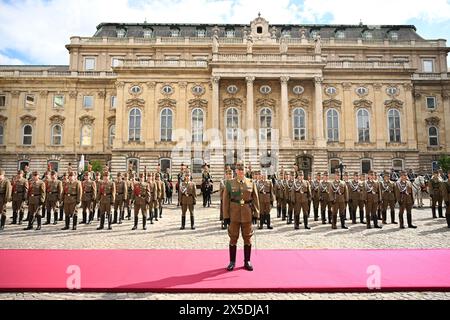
[(136, 220), (268, 222), (283, 214), (115, 217), (155, 213), (232, 250), (296, 222), (353, 214), (192, 222), (109, 221), (20, 218), (261, 222), (247, 254), (91, 216), (122, 216), (183, 222), (409, 218), (30, 223), (343, 226), (375, 223), (48, 218), (440, 212), (150, 216), (14, 218), (322, 215), (384, 215), (361, 216), (2, 222), (61, 213), (84, 220), (75, 219), (329, 217), (144, 224), (55, 217), (102, 222), (289, 217), (278, 212), (160, 212), (305, 221), (402, 223), (448, 220), (433, 211), (129, 212), (39, 219), (393, 217), (316, 214), (98, 214), (66, 227), (43, 210)]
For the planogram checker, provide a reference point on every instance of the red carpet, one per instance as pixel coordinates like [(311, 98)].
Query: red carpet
[(204, 271)]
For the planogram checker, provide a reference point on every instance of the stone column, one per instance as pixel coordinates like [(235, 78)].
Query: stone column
[(13, 123), (446, 100), (41, 133), (411, 122), (318, 128), (250, 111), (378, 124), (151, 116), (349, 125), (284, 116), (182, 114), (121, 117)]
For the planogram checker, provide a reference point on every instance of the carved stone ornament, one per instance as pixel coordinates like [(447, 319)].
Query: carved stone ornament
[(135, 102), (87, 120), (101, 94), (362, 103), (198, 103), (3, 119), (265, 102), (73, 94), (27, 119), (43, 93), (167, 103), (120, 84), (332, 103), (57, 119), (111, 120), (299, 103), (232, 103), (433, 121), (394, 103)]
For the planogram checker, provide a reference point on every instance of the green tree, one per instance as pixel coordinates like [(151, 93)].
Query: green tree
[(444, 163), (96, 166)]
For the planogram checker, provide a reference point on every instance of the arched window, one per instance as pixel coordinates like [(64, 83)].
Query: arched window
[(363, 125), (27, 137), (56, 135), (265, 127), (111, 134), (166, 124), (232, 125), (332, 125), (299, 124), (394, 125), (433, 136), (1, 135), (197, 125), (86, 135), (134, 133)]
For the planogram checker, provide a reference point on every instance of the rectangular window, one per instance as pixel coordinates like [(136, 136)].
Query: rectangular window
[(115, 62), (197, 165), (113, 102), (89, 64), (88, 102), (431, 102), (2, 101), (30, 101), (58, 101), (366, 166), (428, 66)]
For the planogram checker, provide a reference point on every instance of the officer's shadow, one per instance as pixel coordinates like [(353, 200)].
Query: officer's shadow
[(176, 283)]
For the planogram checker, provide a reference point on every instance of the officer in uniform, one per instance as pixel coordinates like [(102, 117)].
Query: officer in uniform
[(180, 176), (446, 195), (279, 193), (64, 181), (87, 200), (315, 195), (301, 195), (106, 196), (325, 199), (128, 201), (72, 199), (36, 197), (240, 210), (121, 196), (188, 200), (435, 189), (290, 201), (372, 196), (5, 197), (161, 194), (19, 196), (338, 197), (346, 180), (228, 176), (54, 196), (405, 198), (141, 196), (388, 198), (153, 199), (310, 180), (355, 187), (96, 205), (266, 198), (46, 178)]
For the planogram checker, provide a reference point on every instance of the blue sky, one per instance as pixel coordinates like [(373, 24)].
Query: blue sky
[(36, 31)]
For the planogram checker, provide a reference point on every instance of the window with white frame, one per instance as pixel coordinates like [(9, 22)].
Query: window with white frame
[(134, 132), (175, 32), (197, 165), (111, 134), (368, 35), (133, 165), (148, 33), (393, 35), (232, 124), (53, 165), (366, 166), (166, 124), (197, 125), (433, 136), (56, 135), (88, 102), (27, 135), (334, 165), (299, 124), (113, 102), (314, 34), (229, 33), (89, 64), (286, 32), (397, 164), (265, 124), (201, 33), (30, 100), (2, 134), (2, 100), (86, 135), (394, 125), (340, 34), (121, 33), (363, 125), (58, 101), (431, 102), (428, 65), (332, 125), (115, 62)]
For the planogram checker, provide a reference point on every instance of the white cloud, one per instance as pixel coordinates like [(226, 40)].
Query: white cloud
[(9, 61), (39, 29)]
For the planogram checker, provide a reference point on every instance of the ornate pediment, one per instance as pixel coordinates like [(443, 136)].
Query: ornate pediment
[(57, 119), (265, 102), (198, 103), (299, 102), (87, 120), (394, 103), (332, 103), (135, 102), (111, 120), (232, 102), (362, 103), (27, 119), (167, 103), (432, 121)]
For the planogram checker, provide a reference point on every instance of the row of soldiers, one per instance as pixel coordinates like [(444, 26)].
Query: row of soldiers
[(295, 195)]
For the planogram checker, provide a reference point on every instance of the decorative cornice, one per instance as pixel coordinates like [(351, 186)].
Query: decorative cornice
[(182, 85), (167, 103), (198, 103), (432, 121), (332, 103), (377, 87), (120, 84), (394, 103), (362, 103), (135, 102), (232, 102), (265, 102), (73, 94), (408, 87), (445, 95), (57, 119), (151, 85), (299, 103), (347, 86), (101, 94), (28, 119), (43, 93), (87, 120)]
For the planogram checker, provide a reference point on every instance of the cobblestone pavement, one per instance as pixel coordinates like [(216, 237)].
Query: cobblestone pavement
[(165, 234)]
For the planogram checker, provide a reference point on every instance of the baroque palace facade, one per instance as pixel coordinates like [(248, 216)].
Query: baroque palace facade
[(371, 97)]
